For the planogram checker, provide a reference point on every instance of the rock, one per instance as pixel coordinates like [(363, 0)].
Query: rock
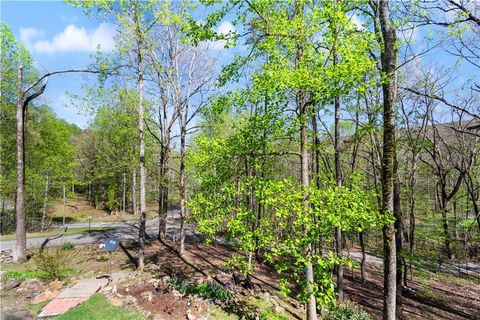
[(45, 296), (116, 301), (55, 285), (11, 284), (166, 279), (266, 295), (147, 296), (190, 316), (152, 267), (198, 280), (6, 256), (131, 300), (279, 309)]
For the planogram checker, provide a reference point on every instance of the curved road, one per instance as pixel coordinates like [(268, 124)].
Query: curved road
[(128, 230), (124, 230)]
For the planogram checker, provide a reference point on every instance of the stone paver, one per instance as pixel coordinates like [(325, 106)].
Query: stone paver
[(72, 297)]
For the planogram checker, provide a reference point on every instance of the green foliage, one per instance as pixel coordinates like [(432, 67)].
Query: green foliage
[(271, 315), (348, 311), (37, 274), (68, 246), (213, 290), (53, 264)]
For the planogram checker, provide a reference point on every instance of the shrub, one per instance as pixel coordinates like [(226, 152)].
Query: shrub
[(67, 246), (348, 311), (211, 290), (53, 264), (271, 315)]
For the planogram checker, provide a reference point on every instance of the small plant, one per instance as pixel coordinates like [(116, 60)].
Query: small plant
[(211, 290), (271, 315), (52, 264), (348, 311), (67, 246)]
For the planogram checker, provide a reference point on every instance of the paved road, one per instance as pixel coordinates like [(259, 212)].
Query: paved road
[(126, 230)]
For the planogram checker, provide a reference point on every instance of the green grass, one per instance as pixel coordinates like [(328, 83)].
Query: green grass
[(56, 232), (98, 308), (24, 275), (36, 308), (217, 313)]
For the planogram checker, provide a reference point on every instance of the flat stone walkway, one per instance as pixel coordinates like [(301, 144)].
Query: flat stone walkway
[(72, 297)]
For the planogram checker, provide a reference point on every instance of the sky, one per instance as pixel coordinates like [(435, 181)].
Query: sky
[(60, 37)]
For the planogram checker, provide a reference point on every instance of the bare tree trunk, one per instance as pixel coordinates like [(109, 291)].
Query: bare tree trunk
[(20, 253), (163, 192), (134, 191), (389, 60), (64, 207), (45, 200), (364, 257), (124, 200), (397, 213), (141, 234), (338, 180), (182, 184)]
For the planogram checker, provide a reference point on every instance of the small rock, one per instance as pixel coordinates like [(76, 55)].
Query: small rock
[(131, 300), (152, 267), (266, 295), (166, 279), (45, 296), (279, 309), (190, 316), (116, 301), (11, 284), (55, 285)]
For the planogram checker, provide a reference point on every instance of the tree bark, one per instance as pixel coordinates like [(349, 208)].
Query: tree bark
[(45, 200), (182, 184), (364, 257), (338, 180), (389, 60), (134, 191), (141, 235), (397, 213), (20, 253)]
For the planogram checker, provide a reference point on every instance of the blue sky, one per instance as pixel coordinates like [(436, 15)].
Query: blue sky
[(58, 37), (62, 37)]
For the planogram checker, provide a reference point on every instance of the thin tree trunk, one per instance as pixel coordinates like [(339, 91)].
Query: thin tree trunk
[(141, 234), (389, 59), (364, 257), (134, 191), (303, 108), (124, 200), (338, 180), (397, 213), (45, 200), (64, 207), (182, 185), (20, 253)]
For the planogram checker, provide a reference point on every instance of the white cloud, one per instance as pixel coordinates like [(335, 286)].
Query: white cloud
[(28, 34), (355, 19), (72, 38), (225, 28)]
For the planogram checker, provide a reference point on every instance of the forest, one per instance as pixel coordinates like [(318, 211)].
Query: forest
[(298, 134)]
